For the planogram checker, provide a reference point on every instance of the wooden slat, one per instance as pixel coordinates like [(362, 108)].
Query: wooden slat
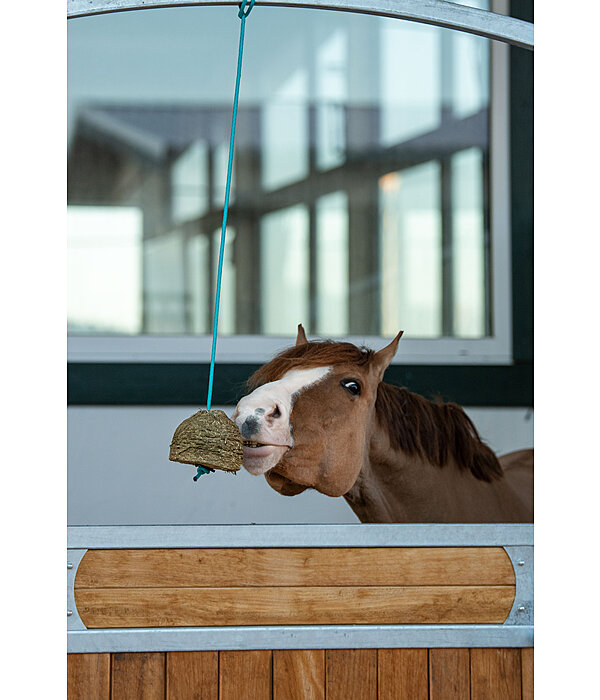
[(527, 673), (88, 676), (299, 674), (495, 674), (384, 674), (220, 568), (403, 674), (351, 673), (245, 674), (138, 675), (192, 675), (172, 607), (449, 674)]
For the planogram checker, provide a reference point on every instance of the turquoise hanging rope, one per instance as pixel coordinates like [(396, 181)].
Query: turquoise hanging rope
[(244, 11), (242, 14)]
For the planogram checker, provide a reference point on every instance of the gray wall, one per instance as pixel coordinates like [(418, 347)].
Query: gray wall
[(119, 472)]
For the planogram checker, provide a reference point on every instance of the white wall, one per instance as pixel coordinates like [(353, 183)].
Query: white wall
[(119, 472)]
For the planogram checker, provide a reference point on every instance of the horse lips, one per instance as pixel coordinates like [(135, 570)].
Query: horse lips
[(208, 438)]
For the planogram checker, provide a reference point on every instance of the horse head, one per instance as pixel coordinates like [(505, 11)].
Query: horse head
[(306, 422)]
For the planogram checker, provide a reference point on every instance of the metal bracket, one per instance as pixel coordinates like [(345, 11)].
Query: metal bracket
[(522, 609), (74, 557)]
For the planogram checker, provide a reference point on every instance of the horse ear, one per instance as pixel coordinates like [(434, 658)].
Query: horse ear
[(301, 337), (384, 356)]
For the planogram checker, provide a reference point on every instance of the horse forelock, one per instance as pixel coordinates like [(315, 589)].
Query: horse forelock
[(320, 353), (437, 432)]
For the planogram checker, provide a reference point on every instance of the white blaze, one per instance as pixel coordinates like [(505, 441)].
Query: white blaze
[(270, 407)]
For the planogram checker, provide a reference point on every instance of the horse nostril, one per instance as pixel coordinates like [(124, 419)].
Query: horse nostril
[(275, 413)]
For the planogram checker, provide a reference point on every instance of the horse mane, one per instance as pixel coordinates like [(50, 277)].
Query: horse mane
[(434, 431), (313, 354)]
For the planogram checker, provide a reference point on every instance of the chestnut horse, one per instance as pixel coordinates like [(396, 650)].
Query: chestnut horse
[(320, 417)]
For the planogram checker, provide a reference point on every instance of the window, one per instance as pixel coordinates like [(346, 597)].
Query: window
[(370, 176)]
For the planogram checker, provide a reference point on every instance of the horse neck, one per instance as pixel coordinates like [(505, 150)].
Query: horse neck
[(394, 487)]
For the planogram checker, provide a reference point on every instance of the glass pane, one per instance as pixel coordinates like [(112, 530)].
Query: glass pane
[(285, 133), (332, 71), (227, 300), (411, 252), (198, 281), (410, 98), (219, 167), (469, 244), (284, 270), (355, 136), (470, 80), (467, 59), (104, 269), (332, 265), (164, 284), (189, 183)]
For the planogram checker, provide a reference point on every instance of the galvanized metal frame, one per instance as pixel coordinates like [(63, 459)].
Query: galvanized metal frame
[(298, 637), (517, 631), (435, 12), (359, 535)]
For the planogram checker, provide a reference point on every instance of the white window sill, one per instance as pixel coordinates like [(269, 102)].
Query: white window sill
[(251, 349)]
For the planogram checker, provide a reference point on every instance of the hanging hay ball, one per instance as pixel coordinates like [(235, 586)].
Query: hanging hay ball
[(209, 439)]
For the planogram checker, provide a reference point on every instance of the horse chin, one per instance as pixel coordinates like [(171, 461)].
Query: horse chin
[(260, 461), (283, 485)]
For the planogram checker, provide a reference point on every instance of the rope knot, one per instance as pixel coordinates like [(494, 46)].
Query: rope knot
[(244, 12), (201, 470)]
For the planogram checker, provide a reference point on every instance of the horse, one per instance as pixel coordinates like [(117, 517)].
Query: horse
[(319, 416)]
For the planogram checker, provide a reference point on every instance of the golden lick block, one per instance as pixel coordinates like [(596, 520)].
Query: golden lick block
[(209, 439)]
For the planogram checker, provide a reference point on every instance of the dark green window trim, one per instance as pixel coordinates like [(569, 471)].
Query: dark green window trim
[(147, 384), (150, 384), (521, 158)]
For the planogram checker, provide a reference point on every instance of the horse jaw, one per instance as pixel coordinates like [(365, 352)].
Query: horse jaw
[(283, 485)]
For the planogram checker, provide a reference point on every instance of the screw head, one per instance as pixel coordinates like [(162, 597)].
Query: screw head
[(69, 565), (521, 608), (521, 562), (69, 613)]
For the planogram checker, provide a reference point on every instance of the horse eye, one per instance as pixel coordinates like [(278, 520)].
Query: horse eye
[(352, 386)]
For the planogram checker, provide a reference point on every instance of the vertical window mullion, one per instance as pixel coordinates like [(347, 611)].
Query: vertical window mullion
[(312, 268), (447, 248), (447, 70), (312, 215), (487, 247)]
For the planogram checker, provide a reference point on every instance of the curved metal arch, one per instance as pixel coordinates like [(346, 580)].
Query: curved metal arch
[(439, 13)]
